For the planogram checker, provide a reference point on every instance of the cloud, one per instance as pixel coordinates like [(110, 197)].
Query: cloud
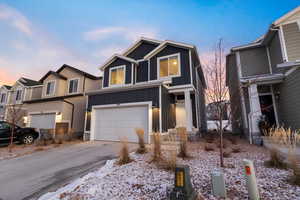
[(33, 52), (15, 19), (129, 33), (108, 51)]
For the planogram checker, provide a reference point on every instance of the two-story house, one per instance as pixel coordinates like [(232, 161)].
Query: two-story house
[(4, 90), (22, 90), (264, 78), (61, 103), (154, 85)]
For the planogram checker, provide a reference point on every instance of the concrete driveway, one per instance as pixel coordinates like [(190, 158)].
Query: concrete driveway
[(30, 176)]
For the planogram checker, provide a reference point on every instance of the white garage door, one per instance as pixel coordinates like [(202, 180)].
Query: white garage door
[(44, 121), (112, 124)]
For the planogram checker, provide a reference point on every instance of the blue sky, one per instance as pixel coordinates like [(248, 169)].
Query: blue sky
[(37, 36)]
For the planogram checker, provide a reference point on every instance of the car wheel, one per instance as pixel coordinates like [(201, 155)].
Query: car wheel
[(28, 139)]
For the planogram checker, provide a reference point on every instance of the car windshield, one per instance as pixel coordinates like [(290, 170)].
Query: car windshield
[(4, 125)]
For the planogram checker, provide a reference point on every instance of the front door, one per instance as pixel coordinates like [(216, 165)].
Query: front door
[(267, 109), (180, 115)]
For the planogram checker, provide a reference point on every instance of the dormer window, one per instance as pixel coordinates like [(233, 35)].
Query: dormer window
[(3, 98), (50, 88), (169, 66), (18, 95), (73, 86), (117, 75)]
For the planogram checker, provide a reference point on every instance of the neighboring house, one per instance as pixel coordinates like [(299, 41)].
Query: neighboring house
[(4, 90), (213, 119), (264, 78), (154, 85), (23, 90), (60, 103)]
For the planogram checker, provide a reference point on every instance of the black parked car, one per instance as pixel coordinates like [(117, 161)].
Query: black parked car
[(22, 135)]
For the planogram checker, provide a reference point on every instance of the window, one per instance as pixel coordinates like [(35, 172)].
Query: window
[(50, 88), (169, 66), (4, 125), (73, 86), (18, 95), (117, 75), (3, 98)]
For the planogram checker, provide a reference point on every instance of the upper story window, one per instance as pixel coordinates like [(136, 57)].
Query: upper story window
[(169, 66), (50, 88), (73, 86), (117, 75), (18, 95), (3, 98)]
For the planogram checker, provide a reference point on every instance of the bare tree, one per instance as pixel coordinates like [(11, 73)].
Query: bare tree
[(217, 92), (14, 116)]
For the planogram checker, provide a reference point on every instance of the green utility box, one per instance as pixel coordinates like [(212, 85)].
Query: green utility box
[(183, 189)]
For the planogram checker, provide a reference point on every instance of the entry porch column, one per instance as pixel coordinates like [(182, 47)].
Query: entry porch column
[(188, 110), (254, 115)]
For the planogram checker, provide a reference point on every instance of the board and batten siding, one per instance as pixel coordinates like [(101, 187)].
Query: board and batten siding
[(275, 53), (142, 50), (291, 34), (142, 72), (254, 62), (289, 101), (185, 77), (118, 62)]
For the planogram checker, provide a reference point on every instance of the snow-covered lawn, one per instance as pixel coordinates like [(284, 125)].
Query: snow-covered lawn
[(141, 180)]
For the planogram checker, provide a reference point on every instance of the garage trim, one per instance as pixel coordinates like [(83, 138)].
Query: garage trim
[(147, 103)]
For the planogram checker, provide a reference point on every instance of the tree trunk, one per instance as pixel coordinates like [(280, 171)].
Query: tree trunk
[(221, 144), (11, 138)]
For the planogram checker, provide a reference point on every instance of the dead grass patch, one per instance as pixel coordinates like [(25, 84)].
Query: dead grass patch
[(142, 147), (236, 149), (209, 147), (183, 150), (275, 161), (124, 157), (157, 153)]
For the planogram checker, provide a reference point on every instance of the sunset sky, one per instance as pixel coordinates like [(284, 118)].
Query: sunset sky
[(38, 36)]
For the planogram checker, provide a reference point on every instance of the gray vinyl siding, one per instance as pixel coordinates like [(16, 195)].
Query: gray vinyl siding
[(185, 77), (142, 72), (118, 62), (142, 50), (132, 96), (254, 62), (234, 92), (292, 40), (275, 53), (289, 101)]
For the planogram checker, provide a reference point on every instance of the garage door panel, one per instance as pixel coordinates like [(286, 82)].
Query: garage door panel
[(116, 123)]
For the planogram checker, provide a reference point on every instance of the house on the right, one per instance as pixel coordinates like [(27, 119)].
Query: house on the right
[(264, 78)]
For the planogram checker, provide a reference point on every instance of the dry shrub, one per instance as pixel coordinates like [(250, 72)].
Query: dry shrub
[(157, 155), (142, 147), (276, 161), (39, 149), (236, 150), (209, 147), (124, 157), (225, 143), (295, 166), (170, 161), (233, 140), (226, 154), (209, 139), (183, 143)]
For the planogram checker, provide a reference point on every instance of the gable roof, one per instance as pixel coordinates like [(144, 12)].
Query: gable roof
[(287, 16), (114, 57), (54, 74), (28, 82), (138, 43), (164, 44), (7, 87), (78, 71)]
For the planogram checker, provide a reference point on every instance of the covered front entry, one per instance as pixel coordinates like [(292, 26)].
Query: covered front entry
[(115, 122), (42, 121)]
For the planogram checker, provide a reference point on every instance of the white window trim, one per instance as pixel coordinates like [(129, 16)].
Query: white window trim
[(113, 68), (54, 88), (78, 86), (158, 66), (283, 44)]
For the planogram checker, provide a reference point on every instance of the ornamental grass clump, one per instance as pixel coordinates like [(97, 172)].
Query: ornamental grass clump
[(142, 147), (124, 157), (295, 166), (157, 154), (183, 152), (170, 161)]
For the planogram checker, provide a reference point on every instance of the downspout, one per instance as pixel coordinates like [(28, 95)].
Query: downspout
[(72, 118)]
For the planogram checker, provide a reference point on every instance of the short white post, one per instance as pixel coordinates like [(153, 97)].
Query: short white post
[(251, 180)]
